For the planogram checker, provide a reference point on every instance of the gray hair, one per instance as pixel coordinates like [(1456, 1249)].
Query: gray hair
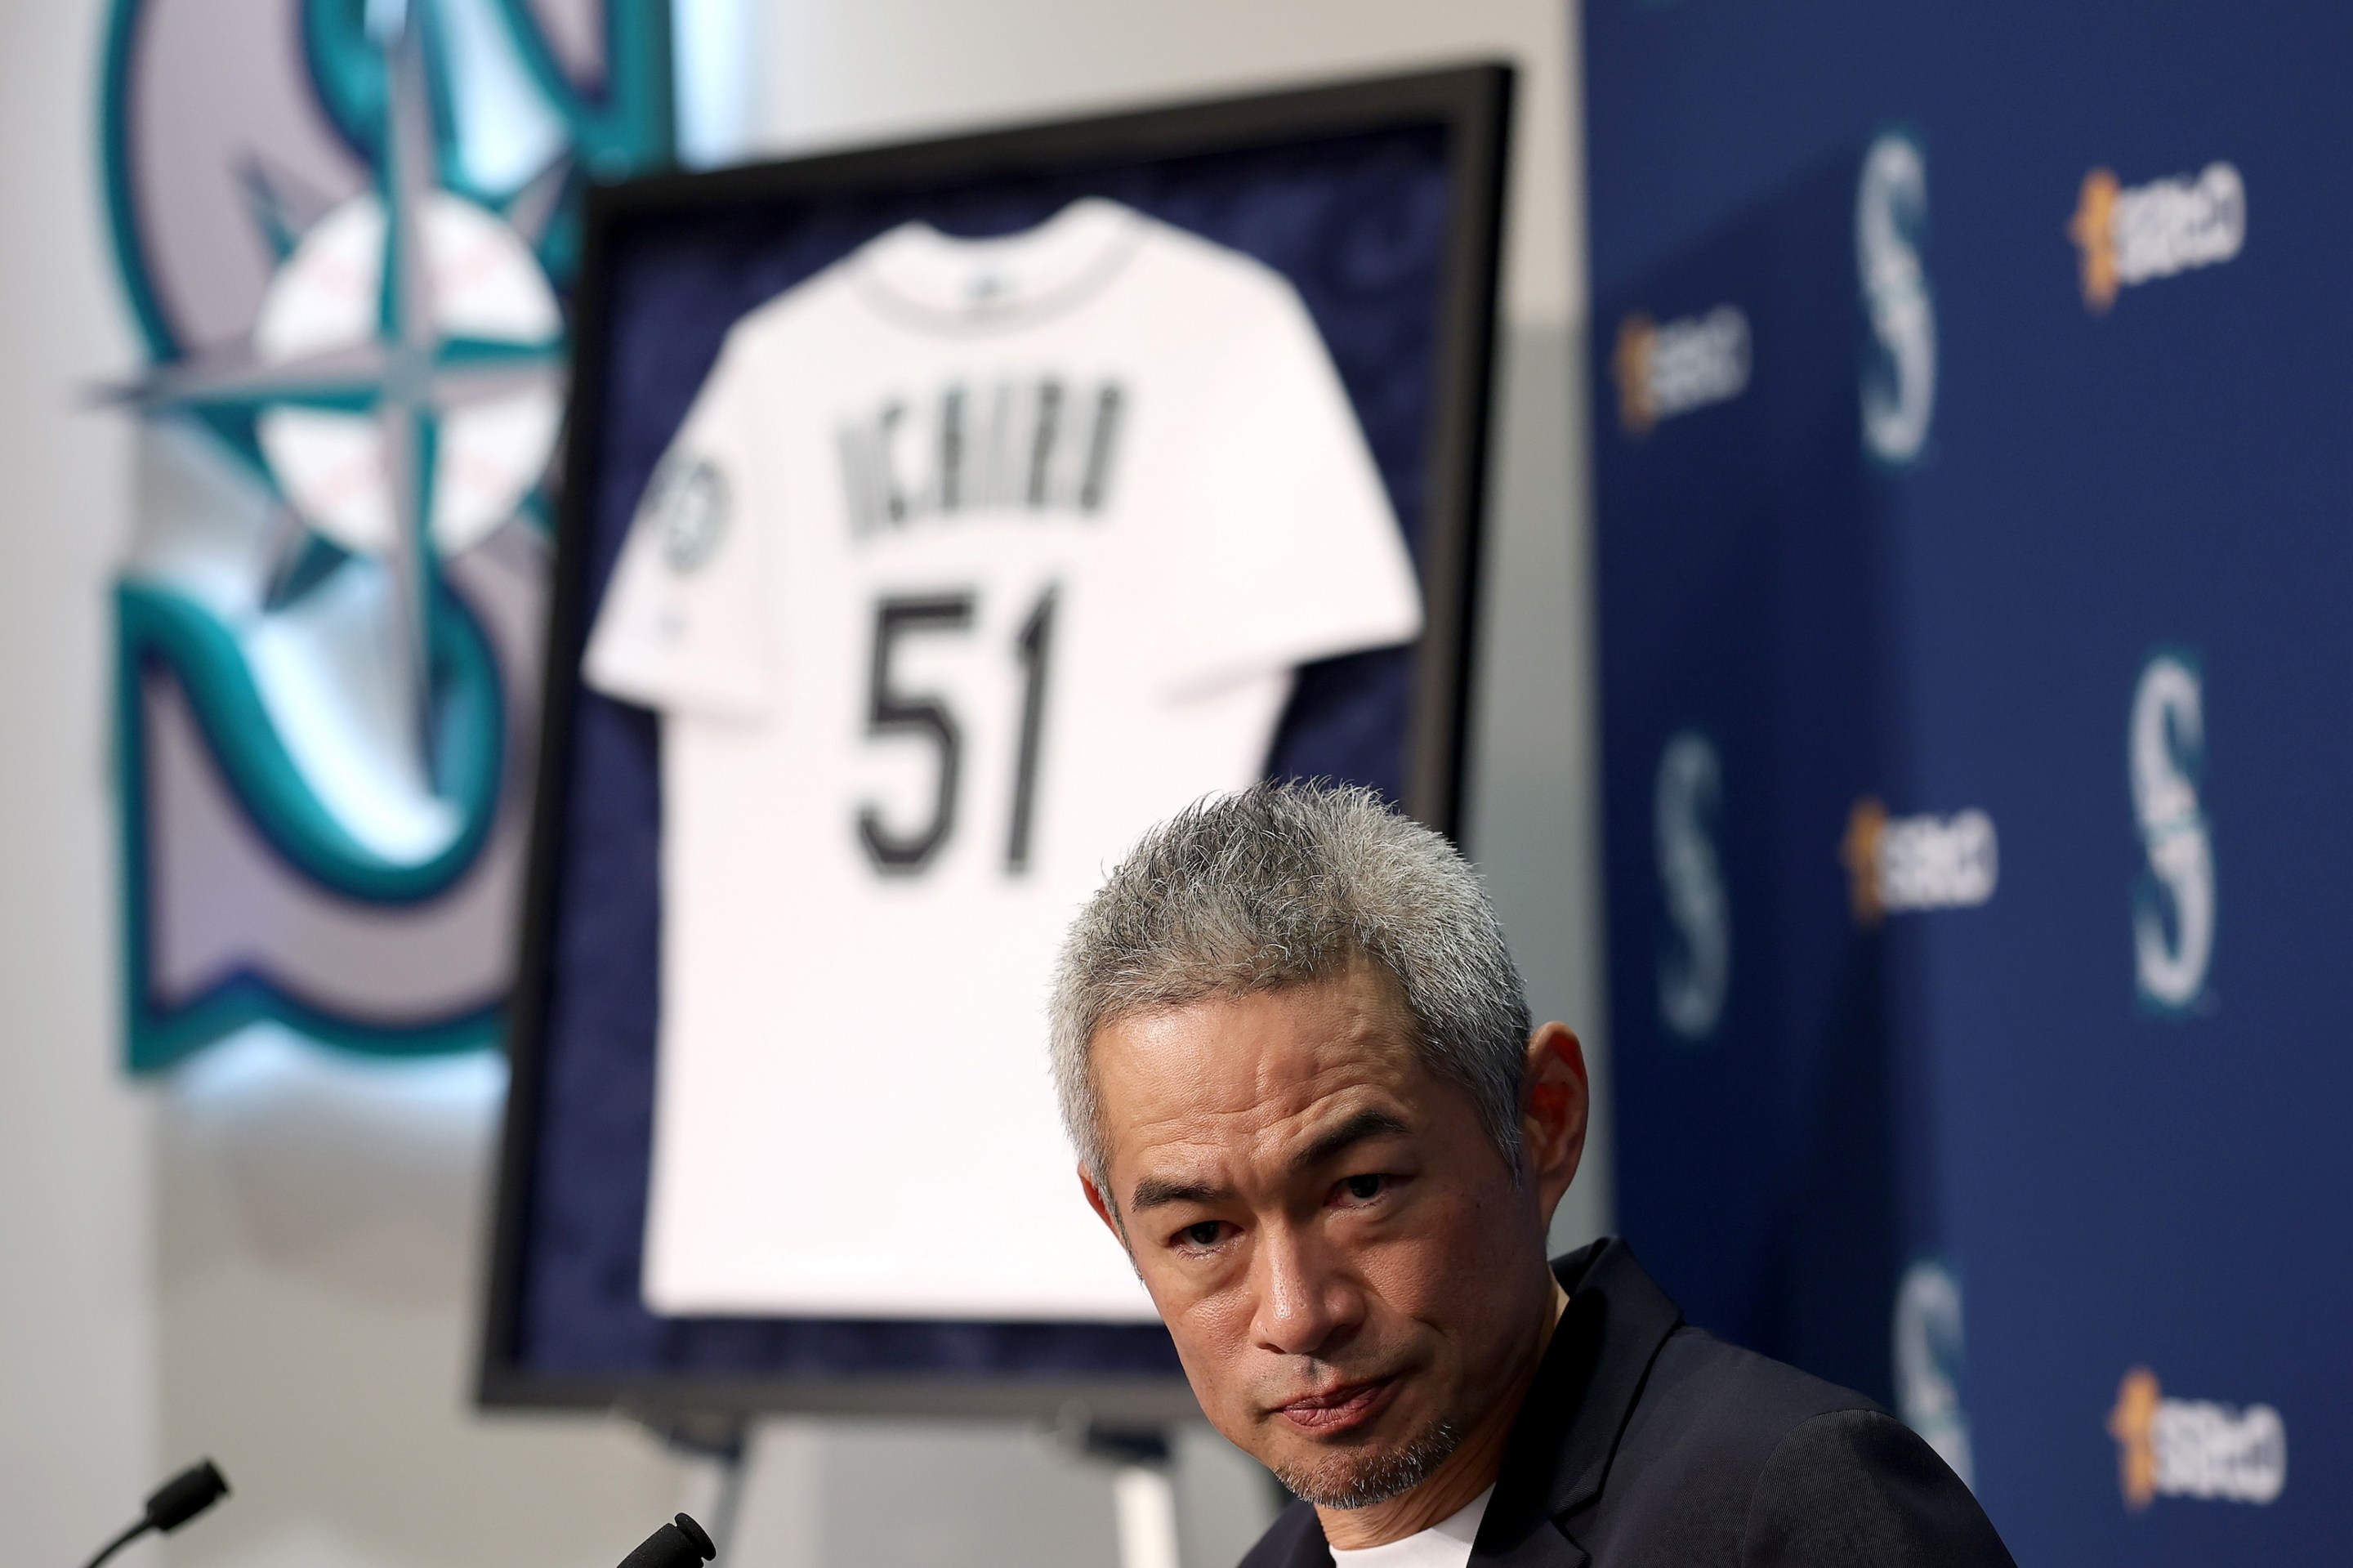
[(1283, 884)]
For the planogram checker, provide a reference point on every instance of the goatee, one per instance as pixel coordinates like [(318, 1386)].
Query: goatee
[(1360, 1481)]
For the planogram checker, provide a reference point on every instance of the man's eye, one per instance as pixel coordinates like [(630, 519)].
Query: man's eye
[(1208, 1233), (1364, 1188)]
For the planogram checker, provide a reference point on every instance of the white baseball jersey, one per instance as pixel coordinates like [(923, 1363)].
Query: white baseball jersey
[(972, 559)]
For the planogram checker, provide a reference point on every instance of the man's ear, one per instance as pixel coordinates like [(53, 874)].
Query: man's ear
[(1552, 1120), (1102, 1205)]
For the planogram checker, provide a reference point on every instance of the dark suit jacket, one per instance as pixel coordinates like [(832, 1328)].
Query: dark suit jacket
[(1646, 1442)]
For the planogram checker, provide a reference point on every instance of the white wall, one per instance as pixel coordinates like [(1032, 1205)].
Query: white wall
[(281, 1272), (77, 1348), (274, 1258)]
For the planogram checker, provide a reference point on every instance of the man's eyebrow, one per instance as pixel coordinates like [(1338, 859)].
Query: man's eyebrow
[(1154, 1192), (1355, 1130)]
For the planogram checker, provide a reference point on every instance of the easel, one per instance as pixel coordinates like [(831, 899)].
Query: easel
[(1143, 1487), (721, 1439), (1144, 1491)]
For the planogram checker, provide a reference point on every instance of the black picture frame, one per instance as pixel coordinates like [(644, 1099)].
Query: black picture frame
[(1472, 105)]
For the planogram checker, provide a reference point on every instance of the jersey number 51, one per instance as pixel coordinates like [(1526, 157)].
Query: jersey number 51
[(926, 717)]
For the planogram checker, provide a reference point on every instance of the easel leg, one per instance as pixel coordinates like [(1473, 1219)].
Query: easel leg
[(1145, 1497)]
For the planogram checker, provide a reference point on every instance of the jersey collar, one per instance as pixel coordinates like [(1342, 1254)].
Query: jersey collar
[(920, 275)]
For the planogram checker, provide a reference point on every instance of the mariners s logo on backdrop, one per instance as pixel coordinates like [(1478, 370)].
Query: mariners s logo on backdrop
[(1696, 951), (1899, 372), (2173, 902), (345, 229)]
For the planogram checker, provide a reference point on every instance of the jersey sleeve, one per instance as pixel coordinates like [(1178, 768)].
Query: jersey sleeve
[(683, 624), (1289, 550)]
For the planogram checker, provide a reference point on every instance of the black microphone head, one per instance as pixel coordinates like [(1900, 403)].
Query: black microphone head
[(681, 1544), (186, 1495)]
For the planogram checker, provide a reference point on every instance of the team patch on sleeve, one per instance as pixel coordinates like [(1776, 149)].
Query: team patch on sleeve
[(688, 503)]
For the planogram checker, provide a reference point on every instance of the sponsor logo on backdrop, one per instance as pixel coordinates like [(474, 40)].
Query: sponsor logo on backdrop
[(1928, 1362), (1696, 953), (1898, 865), (1899, 373), (2194, 1448), (2173, 905), (1666, 368), (2129, 235)]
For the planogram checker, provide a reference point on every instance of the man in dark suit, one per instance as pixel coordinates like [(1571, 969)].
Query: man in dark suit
[(1298, 1065)]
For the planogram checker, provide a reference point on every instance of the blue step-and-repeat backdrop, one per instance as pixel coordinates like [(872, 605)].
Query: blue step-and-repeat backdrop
[(1973, 405)]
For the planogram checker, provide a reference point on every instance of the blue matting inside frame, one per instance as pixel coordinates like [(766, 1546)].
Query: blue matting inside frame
[(1360, 225)]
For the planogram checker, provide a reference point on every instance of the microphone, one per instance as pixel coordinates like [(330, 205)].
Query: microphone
[(172, 1505), (682, 1543)]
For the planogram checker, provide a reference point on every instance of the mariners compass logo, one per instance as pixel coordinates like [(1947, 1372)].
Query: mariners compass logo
[(346, 228)]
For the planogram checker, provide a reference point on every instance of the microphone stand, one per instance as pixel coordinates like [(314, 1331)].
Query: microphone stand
[(119, 1541)]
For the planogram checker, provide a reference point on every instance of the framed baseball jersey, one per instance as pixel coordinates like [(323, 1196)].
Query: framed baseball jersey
[(936, 519)]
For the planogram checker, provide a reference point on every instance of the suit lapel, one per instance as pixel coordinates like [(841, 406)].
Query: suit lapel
[(1295, 1540), (1541, 1546), (1567, 1430)]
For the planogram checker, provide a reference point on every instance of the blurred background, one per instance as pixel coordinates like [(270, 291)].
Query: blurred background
[(273, 1254), (1904, 730)]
